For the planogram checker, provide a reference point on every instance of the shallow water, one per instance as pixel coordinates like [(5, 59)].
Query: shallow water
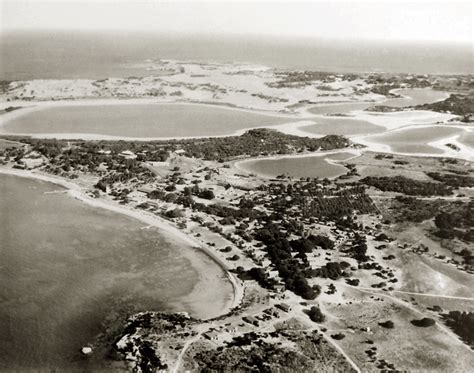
[(315, 166), (69, 270), (141, 120), (415, 140), (467, 138), (342, 108), (341, 126), (415, 96)]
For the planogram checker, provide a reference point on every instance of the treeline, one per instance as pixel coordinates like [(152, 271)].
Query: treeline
[(252, 143), (99, 157), (462, 323), (301, 78), (401, 184), (411, 209), (98, 151), (358, 250), (332, 270), (458, 223), (453, 180), (258, 142)]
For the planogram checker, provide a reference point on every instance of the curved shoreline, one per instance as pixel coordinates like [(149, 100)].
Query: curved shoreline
[(168, 228)]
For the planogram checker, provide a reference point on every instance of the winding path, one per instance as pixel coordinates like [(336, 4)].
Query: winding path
[(188, 343), (341, 351), (410, 293)]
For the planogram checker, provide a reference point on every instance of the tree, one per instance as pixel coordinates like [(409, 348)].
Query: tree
[(316, 315), (424, 322), (176, 213), (387, 324), (207, 194), (101, 186)]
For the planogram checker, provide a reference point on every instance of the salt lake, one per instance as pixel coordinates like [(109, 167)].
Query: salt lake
[(467, 138), (139, 120), (415, 140), (341, 126), (415, 96), (340, 108), (316, 166), (410, 97)]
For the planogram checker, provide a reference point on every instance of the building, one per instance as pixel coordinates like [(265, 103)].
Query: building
[(231, 329), (251, 320), (272, 312), (128, 154), (284, 307), (279, 288), (145, 189), (211, 335)]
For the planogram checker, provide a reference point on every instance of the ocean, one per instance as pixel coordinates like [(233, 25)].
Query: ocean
[(70, 271), (75, 55)]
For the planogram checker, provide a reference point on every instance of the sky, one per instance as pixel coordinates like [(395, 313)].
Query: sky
[(447, 21)]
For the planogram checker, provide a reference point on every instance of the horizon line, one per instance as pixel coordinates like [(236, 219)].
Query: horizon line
[(253, 36)]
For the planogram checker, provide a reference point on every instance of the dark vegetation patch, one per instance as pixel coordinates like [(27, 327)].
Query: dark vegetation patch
[(458, 223), (290, 269), (401, 184), (455, 104), (69, 157), (141, 334), (412, 209), (424, 322), (387, 324), (462, 323), (453, 180), (316, 315), (249, 353), (258, 142), (332, 270)]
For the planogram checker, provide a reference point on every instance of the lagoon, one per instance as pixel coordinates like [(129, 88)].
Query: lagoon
[(415, 96), (341, 126), (69, 271), (467, 138), (139, 120), (415, 140), (315, 166), (411, 97), (340, 108)]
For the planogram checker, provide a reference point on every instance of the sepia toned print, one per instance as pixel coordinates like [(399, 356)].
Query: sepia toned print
[(236, 186)]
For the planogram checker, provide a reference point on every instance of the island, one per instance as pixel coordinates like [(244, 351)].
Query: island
[(367, 269)]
